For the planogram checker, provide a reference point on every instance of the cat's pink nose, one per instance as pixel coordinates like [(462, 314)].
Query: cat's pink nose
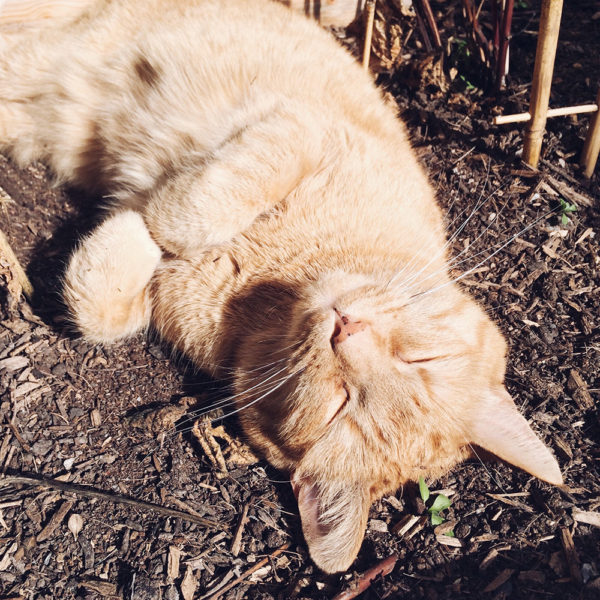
[(344, 327)]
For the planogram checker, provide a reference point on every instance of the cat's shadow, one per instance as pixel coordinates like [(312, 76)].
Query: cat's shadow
[(50, 257)]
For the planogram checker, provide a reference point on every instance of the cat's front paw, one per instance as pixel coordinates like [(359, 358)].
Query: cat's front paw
[(105, 285)]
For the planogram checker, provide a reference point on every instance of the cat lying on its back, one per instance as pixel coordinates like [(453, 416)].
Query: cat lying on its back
[(271, 221)]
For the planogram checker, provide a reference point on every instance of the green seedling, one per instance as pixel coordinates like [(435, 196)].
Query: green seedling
[(466, 63), (565, 208), (439, 503), (470, 86)]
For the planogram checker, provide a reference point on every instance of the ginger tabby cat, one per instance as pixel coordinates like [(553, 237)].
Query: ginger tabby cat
[(269, 218)]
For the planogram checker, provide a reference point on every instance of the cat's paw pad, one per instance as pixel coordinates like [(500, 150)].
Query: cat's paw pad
[(105, 285)]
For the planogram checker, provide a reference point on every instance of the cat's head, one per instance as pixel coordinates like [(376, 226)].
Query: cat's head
[(356, 388)]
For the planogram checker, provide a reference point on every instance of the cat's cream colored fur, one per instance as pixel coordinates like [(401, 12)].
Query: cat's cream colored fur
[(265, 197)]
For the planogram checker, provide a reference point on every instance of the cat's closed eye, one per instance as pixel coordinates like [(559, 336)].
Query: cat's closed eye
[(341, 400)]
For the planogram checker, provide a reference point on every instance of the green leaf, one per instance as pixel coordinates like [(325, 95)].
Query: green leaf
[(423, 490), (450, 533), (436, 519), (564, 219), (441, 502)]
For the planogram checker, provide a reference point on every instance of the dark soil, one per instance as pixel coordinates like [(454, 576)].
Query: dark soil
[(71, 411)]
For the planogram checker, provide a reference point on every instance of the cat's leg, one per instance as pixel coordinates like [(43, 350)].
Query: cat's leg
[(24, 63), (207, 205), (106, 283)]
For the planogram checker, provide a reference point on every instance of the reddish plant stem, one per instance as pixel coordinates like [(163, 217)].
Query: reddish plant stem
[(501, 66), (497, 20), (422, 27), (426, 7), (383, 567), (479, 38)]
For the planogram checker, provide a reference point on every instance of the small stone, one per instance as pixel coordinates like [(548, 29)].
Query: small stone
[(59, 370), (41, 447), (378, 525), (75, 412)]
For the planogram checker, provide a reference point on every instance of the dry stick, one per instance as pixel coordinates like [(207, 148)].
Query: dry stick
[(236, 544), (7, 252), (261, 563), (542, 79), (591, 147), (570, 554), (19, 438), (501, 65), (431, 23), (55, 520), (368, 34), (89, 492), (552, 112)]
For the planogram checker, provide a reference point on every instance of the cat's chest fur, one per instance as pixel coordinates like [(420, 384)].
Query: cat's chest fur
[(272, 222)]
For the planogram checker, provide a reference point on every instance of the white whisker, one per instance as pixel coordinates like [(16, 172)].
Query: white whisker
[(449, 241), (486, 259)]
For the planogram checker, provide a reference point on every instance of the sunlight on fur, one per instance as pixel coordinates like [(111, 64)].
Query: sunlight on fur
[(272, 222)]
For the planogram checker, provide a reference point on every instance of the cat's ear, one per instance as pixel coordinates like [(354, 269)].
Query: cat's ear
[(334, 519), (497, 426)]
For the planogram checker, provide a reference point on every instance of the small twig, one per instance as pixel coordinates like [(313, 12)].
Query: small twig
[(570, 554), (568, 192), (515, 503), (368, 34), (558, 170), (56, 519), (19, 438), (89, 492), (236, 544), (383, 567), (261, 563)]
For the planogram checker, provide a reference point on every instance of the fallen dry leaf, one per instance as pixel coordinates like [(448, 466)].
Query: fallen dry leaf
[(188, 585)]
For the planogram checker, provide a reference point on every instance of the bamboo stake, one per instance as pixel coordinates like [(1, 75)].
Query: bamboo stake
[(542, 79), (368, 34), (552, 112), (591, 147)]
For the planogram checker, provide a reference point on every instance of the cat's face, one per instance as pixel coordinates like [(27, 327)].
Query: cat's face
[(363, 388)]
